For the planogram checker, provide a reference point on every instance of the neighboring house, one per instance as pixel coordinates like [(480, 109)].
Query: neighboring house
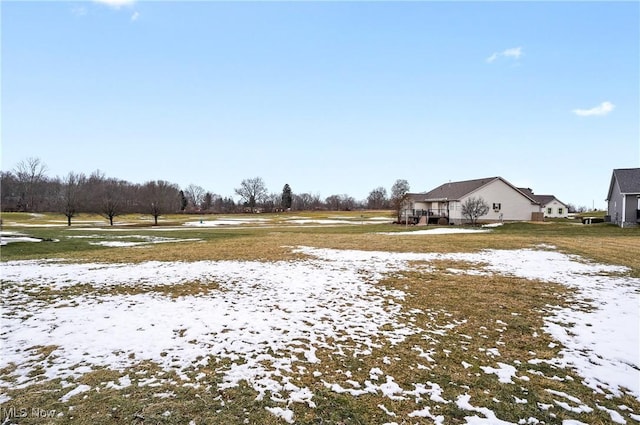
[(505, 201), (624, 197), (551, 206)]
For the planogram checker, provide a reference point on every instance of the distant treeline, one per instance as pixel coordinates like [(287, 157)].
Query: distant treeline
[(28, 188)]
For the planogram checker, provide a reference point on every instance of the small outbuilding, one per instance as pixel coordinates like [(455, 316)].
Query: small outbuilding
[(623, 199)]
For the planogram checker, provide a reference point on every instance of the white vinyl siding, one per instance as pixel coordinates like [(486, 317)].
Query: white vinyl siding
[(555, 209), (514, 206)]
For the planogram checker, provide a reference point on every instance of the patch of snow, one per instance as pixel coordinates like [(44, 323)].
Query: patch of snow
[(615, 416), (14, 224), (268, 316), (285, 414), (436, 231), (116, 244), (318, 221), (391, 389), (385, 410), (166, 394), (374, 374), (583, 408), (262, 308), (77, 390), (490, 418), (380, 219), (426, 413), (493, 352), (143, 240), (505, 372), (565, 395), (7, 239), (226, 222), (123, 382)]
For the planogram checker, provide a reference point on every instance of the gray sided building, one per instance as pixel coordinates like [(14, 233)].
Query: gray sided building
[(623, 198)]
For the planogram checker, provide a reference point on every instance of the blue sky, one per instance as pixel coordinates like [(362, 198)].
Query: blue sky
[(329, 97)]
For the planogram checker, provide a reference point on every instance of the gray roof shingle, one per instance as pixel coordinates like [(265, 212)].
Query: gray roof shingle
[(628, 179), (456, 190), (452, 190), (541, 199)]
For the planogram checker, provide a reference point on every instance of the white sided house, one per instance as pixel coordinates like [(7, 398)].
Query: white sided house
[(550, 206), (444, 203)]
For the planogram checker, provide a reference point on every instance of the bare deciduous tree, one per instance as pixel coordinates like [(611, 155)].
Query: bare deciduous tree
[(70, 194), (306, 201), (377, 199), (340, 203), (113, 199), (160, 197), (272, 202), (332, 202), (252, 191), (195, 195), (106, 195), (474, 208), (31, 174), (10, 190), (348, 202), (399, 195)]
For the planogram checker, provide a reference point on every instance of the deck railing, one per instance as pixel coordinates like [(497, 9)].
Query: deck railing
[(436, 212)]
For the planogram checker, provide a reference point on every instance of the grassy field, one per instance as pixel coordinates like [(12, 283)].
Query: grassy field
[(263, 240), (459, 328)]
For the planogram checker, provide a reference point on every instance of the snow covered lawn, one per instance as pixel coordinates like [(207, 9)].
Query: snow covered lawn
[(280, 327), (12, 237)]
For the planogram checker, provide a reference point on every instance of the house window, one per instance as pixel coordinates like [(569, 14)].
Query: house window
[(559, 210), (549, 211), (496, 207)]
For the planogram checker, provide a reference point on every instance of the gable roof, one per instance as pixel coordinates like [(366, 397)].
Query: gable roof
[(628, 180), (454, 191), (541, 199), (527, 191), (544, 199)]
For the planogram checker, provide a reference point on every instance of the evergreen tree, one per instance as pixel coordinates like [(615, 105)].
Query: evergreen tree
[(287, 197), (183, 201)]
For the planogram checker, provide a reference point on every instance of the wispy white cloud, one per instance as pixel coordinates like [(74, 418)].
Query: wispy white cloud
[(492, 58), (603, 109), (512, 53), (79, 11), (117, 4)]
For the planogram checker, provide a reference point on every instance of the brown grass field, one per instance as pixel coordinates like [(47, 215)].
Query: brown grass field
[(478, 305)]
